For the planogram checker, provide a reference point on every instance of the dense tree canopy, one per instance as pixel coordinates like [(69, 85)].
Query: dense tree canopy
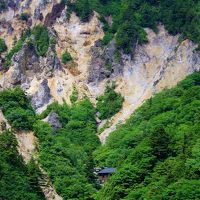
[(67, 153), (18, 181), (17, 109)]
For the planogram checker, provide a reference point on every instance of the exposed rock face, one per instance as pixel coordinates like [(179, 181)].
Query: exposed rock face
[(42, 97), (29, 70), (55, 13), (26, 144), (3, 122), (105, 63), (161, 63), (53, 120)]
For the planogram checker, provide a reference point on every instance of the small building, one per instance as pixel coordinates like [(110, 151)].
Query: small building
[(105, 173)]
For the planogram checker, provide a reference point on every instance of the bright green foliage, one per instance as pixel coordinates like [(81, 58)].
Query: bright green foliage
[(18, 46), (41, 39), (17, 181), (3, 46), (107, 38), (156, 152), (109, 103), (17, 109), (67, 154), (66, 57)]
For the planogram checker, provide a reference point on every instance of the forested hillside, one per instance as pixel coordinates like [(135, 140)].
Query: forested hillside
[(65, 153), (18, 180), (157, 151)]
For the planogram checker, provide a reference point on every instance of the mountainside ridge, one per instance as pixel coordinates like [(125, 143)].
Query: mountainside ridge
[(90, 84)]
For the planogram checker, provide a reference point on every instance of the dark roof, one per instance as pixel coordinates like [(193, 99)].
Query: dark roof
[(107, 171)]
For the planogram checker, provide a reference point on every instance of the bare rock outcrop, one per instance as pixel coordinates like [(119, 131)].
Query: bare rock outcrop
[(54, 14), (53, 120), (105, 63), (4, 125), (42, 97), (161, 63)]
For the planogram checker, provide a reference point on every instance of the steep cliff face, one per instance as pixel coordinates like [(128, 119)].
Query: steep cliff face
[(45, 79), (161, 63)]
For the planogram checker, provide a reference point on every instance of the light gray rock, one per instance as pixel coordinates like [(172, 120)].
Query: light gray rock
[(104, 64), (53, 120), (10, 29), (42, 96)]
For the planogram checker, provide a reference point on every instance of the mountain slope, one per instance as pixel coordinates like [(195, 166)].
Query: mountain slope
[(156, 151), (75, 70)]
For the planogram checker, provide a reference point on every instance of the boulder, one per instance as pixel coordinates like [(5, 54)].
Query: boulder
[(53, 120)]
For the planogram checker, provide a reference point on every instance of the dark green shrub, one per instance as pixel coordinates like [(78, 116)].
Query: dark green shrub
[(107, 38), (82, 8), (128, 35), (24, 17), (109, 103), (17, 109), (74, 96), (3, 46), (66, 57), (20, 118), (41, 39)]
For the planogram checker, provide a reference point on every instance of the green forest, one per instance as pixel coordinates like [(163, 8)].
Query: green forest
[(18, 180), (66, 154)]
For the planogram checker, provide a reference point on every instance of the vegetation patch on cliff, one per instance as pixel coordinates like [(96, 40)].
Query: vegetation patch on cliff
[(66, 57), (41, 39), (3, 46), (16, 48), (109, 103), (17, 109)]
